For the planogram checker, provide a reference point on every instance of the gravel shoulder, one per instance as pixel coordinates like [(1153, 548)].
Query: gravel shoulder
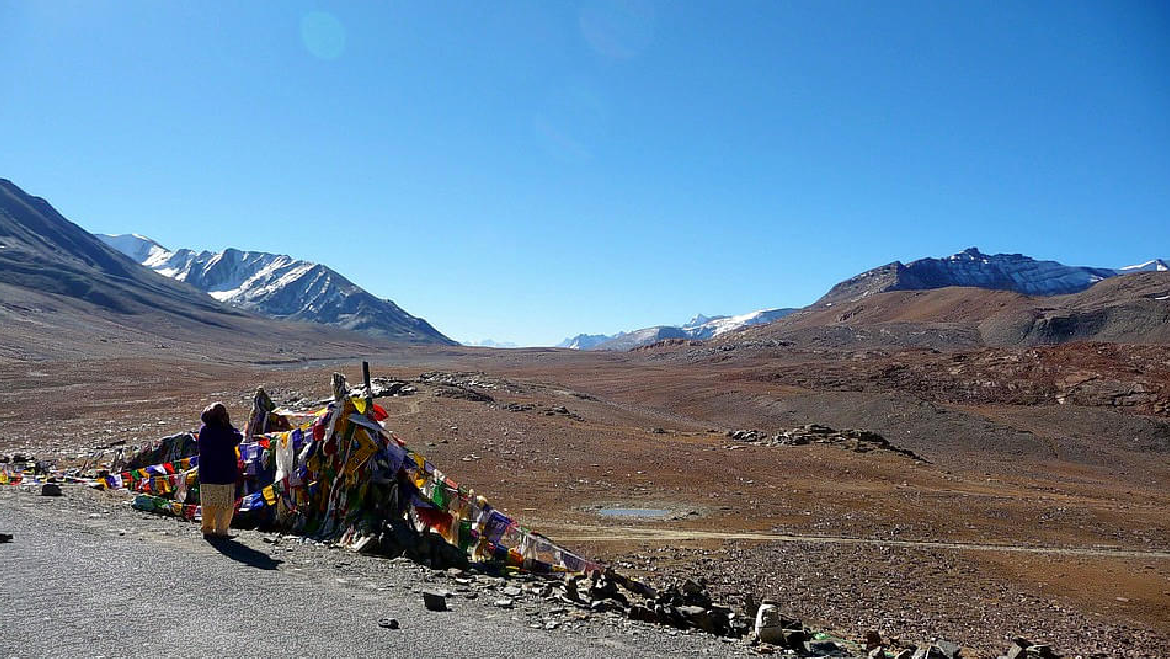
[(88, 575)]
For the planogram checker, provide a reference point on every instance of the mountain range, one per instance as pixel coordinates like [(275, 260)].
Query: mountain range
[(972, 268), (1020, 275), (1133, 307), (279, 286), (64, 294), (700, 327)]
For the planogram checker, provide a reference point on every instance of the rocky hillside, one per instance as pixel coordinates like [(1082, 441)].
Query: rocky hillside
[(972, 268), (280, 286), (1134, 308)]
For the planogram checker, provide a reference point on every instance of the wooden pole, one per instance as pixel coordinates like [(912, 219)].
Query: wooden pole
[(369, 390)]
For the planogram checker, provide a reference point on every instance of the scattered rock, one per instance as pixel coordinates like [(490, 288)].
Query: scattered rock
[(435, 601)]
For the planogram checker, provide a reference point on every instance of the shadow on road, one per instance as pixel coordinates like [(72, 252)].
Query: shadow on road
[(244, 554)]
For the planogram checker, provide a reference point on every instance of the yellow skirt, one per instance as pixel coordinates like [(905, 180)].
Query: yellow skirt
[(218, 496)]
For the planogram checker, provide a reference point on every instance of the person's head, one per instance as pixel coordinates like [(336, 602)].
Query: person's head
[(215, 415)]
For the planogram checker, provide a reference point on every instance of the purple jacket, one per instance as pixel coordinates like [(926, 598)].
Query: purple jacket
[(218, 464)]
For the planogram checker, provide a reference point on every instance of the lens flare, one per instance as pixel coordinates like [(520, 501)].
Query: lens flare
[(323, 35)]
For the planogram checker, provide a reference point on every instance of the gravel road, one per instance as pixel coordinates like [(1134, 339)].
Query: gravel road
[(87, 575)]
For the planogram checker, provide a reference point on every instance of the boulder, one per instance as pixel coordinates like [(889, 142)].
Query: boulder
[(435, 601), (698, 616)]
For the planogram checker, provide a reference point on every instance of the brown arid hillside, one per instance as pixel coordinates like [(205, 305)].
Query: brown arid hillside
[(1133, 308)]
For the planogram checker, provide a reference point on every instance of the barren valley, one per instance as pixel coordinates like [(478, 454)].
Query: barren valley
[(1039, 514)]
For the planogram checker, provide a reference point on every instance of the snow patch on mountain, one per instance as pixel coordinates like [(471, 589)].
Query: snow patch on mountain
[(1157, 265), (140, 248), (280, 286)]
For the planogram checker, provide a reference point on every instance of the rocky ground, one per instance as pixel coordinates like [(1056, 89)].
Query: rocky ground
[(917, 547)]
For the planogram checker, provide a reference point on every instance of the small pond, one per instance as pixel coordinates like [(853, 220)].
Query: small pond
[(633, 512)]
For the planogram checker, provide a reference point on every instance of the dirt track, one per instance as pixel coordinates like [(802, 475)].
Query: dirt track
[(612, 534)]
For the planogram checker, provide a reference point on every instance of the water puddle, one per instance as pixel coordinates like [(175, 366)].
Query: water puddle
[(633, 512)]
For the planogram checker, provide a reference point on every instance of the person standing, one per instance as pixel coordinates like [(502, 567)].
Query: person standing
[(218, 470)]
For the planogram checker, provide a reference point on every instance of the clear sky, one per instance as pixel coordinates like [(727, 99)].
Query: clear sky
[(525, 171)]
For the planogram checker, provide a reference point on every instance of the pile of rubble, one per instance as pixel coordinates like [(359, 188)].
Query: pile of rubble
[(382, 387), (478, 380), (858, 441), (555, 410), (684, 606), (1025, 649)]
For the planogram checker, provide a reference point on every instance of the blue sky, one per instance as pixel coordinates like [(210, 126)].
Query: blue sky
[(526, 171)]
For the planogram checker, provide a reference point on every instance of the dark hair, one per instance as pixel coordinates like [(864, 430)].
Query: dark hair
[(216, 415)]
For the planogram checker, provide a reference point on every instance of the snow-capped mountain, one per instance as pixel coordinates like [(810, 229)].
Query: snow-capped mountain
[(1011, 272), (703, 327), (279, 286), (699, 327)]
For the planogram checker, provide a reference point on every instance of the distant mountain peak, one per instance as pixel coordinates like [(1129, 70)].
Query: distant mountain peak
[(279, 286)]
